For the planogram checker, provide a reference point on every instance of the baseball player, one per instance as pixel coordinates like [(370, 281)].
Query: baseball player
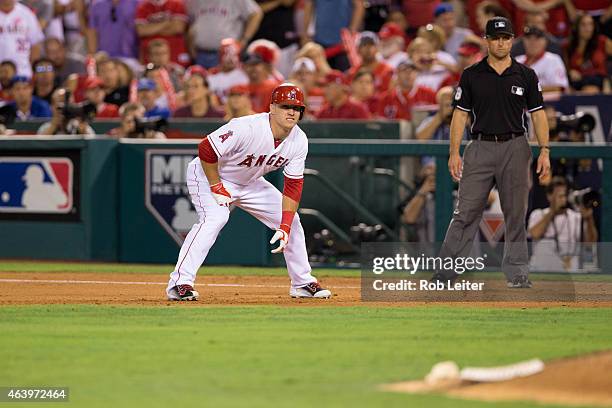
[(229, 172), (496, 92)]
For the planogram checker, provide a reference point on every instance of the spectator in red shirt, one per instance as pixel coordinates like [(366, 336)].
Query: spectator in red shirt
[(304, 75), (586, 56), (468, 54), (165, 19), (339, 104), (397, 103), (367, 47), (198, 98), (260, 85), (238, 102), (362, 90), (94, 93), (392, 44)]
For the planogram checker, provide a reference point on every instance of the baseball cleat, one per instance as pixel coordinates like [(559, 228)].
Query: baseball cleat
[(520, 282), (312, 290), (183, 292)]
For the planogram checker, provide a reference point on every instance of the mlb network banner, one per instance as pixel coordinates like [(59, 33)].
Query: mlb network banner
[(166, 194), (39, 185)]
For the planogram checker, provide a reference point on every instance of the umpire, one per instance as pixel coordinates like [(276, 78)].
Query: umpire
[(496, 92)]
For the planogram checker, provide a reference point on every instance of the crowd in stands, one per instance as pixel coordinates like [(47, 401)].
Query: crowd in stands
[(221, 59)]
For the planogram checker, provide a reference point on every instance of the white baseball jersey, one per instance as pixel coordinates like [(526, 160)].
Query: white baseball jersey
[(245, 147), (221, 82), (550, 70), (19, 30)]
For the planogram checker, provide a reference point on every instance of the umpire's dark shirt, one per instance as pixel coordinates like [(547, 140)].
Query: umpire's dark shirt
[(498, 102)]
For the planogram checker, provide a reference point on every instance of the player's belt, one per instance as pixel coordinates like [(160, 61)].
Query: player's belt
[(502, 137)]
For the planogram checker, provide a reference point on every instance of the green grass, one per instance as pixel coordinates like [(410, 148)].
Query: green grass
[(267, 356), (155, 269)]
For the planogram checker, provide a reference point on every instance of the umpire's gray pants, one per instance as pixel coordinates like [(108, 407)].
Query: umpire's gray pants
[(485, 164)]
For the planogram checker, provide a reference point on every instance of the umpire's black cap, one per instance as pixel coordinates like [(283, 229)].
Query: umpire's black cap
[(499, 26)]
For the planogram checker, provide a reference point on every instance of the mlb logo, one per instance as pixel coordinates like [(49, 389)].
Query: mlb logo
[(517, 90), (166, 194), (36, 185), (500, 24)]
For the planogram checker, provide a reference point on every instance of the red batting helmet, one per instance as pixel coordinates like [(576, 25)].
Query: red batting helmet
[(289, 94)]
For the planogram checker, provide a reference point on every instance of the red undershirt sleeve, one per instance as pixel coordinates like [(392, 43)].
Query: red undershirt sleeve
[(293, 188), (206, 152)]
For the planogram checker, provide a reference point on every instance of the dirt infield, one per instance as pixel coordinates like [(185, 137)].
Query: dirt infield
[(583, 380), (26, 288)]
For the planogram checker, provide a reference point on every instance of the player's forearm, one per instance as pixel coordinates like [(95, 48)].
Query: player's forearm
[(211, 171), (540, 125), (456, 131), (289, 204)]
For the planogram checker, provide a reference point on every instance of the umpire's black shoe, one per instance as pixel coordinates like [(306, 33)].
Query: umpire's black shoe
[(520, 282)]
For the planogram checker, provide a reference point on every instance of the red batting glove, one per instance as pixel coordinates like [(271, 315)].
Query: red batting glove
[(220, 194)]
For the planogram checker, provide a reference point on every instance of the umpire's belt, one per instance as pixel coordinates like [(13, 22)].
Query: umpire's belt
[(502, 137)]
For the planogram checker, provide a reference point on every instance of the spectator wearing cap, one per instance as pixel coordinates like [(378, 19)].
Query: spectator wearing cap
[(238, 102), (94, 94), (549, 67), (339, 105), (214, 20), (44, 79), (537, 19), (304, 74), (197, 98), (397, 103), (362, 90), (20, 36), (112, 28), (468, 54), (367, 47), (429, 73), (8, 70), (147, 97), (64, 64), (165, 19), (158, 52), (278, 26), (270, 54), (445, 18), (117, 92), (229, 71), (392, 44), (260, 85), (330, 17), (25, 104)]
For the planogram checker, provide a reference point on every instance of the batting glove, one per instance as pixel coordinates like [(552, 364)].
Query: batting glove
[(282, 236), (222, 197)]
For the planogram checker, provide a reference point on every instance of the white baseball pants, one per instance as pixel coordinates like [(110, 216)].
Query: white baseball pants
[(260, 199)]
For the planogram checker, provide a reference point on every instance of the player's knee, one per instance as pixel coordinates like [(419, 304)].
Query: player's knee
[(216, 221)]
